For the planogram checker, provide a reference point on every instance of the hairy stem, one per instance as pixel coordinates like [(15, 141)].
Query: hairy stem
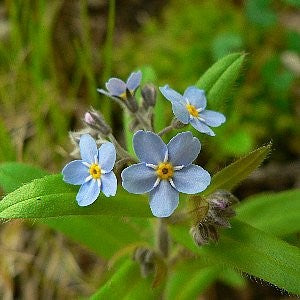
[(120, 150), (163, 239), (166, 130)]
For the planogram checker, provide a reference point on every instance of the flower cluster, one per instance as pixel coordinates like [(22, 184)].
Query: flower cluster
[(162, 170)]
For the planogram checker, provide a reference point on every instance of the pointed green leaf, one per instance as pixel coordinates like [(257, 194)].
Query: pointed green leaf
[(123, 282), (104, 243), (278, 214), (219, 79), (189, 280), (230, 176), (252, 251), (13, 175), (50, 196)]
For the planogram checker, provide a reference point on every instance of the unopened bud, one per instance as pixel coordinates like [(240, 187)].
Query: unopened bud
[(131, 102), (149, 95), (177, 124), (199, 235), (96, 121), (145, 257)]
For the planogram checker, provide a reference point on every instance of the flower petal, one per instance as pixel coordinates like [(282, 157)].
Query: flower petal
[(138, 179), (180, 112), (183, 149), (75, 172), (149, 147), (88, 193), (171, 95), (163, 199), (109, 184), (134, 80), (107, 156), (191, 179), (212, 118), (116, 86), (195, 96), (201, 127), (88, 148)]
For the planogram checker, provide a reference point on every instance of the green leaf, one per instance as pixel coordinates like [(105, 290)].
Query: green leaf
[(102, 242), (230, 176), (123, 282), (218, 80), (50, 196), (252, 251), (13, 175), (189, 280), (278, 214)]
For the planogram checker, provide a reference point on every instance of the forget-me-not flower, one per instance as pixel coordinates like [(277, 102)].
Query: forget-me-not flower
[(190, 108), (165, 170), (117, 87), (93, 172)]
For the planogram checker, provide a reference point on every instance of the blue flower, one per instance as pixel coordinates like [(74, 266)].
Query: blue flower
[(93, 172), (117, 87), (190, 108), (165, 170)]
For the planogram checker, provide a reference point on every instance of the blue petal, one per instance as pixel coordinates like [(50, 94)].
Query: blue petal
[(212, 118), (116, 86), (180, 112), (75, 172), (88, 193), (107, 156), (109, 184), (201, 127), (134, 80), (195, 96), (88, 148), (171, 95), (191, 179), (163, 199), (138, 179), (183, 149), (149, 147)]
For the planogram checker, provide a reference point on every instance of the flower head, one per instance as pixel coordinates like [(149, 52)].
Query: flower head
[(165, 170), (118, 88), (93, 172), (190, 108)]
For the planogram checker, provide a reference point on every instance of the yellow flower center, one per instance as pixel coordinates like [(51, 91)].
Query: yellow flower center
[(95, 171), (192, 110), (165, 170)]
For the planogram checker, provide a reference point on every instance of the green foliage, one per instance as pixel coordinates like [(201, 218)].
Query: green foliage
[(189, 279), (277, 214), (218, 80), (252, 251), (50, 196), (13, 175), (230, 176), (123, 231), (125, 283)]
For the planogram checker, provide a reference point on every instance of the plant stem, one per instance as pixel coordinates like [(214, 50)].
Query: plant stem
[(166, 130), (163, 239), (120, 150)]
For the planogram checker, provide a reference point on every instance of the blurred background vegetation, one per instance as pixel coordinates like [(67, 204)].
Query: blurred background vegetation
[(53, 56)]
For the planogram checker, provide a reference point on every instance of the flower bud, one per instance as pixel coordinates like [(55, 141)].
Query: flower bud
[(177, 124), (218, 214), (96, 121), (131, 102), (149, 95), (145, 257), (199, 234)]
